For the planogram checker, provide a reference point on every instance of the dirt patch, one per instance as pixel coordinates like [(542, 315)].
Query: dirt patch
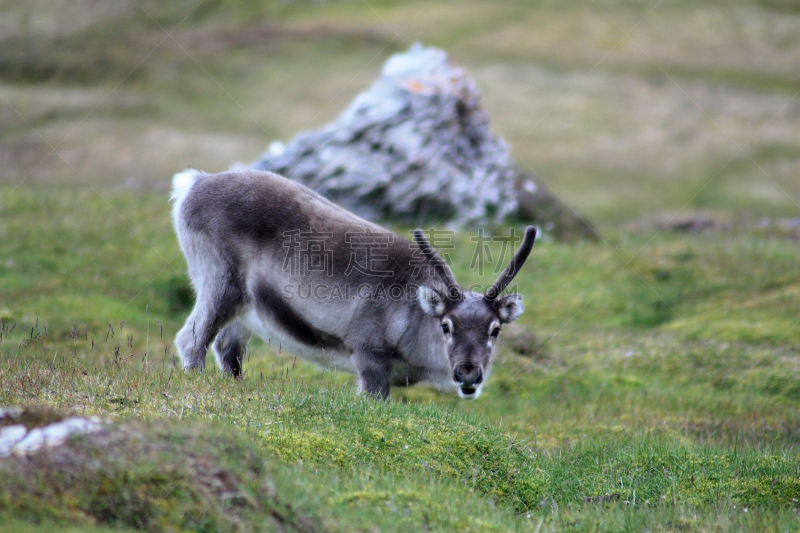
[(29, 417), (785, 228), (526, 343)]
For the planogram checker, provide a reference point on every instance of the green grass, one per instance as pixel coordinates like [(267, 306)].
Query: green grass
[(653, 366), (651, 385), (341, 455)]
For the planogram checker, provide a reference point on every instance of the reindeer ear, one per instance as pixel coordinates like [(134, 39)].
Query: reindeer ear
[(431, 301), (510, 308)]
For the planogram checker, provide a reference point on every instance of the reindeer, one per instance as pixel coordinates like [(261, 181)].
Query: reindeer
[(396, 318)]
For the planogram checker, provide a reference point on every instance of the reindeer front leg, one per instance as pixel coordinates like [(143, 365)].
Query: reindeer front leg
[(374, 372)]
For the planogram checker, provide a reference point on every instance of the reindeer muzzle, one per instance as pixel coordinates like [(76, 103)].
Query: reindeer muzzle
[(468, 378)]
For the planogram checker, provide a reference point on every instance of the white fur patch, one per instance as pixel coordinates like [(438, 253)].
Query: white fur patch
[(431, 301), (474, 395), (182, 183), (511, 308)]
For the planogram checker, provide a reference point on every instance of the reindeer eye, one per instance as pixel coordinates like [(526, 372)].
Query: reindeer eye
[(495, 332), (445, 327)]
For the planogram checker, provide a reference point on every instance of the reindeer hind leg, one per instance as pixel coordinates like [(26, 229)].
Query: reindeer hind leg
[(212, 311), (230, 347)]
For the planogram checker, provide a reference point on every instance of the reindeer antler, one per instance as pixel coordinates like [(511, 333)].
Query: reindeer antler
[(439, 264), (514, 266)]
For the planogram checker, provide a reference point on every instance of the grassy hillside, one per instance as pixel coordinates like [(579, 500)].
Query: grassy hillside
[(652, 383), (668, 381)]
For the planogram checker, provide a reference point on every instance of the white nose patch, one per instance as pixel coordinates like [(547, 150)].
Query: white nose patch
[(471, 394)]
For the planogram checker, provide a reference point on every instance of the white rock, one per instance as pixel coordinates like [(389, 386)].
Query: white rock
[(10, 436), (417, 145), (55, 434)]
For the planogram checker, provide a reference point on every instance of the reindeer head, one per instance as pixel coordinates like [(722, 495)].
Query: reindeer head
[(471, 321)]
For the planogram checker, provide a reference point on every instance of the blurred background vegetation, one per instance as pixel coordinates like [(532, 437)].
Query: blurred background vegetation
[(624, 108)]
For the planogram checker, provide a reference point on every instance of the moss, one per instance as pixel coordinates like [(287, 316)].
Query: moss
[(417, 441)]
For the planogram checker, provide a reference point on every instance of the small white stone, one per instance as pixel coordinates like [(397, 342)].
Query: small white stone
[(55, 434), (9, 436)]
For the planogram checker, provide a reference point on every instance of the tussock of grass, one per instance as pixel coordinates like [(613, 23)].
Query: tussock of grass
[(352, 453), (320, 428), (152, 477), (163, 475), (324, 429)]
